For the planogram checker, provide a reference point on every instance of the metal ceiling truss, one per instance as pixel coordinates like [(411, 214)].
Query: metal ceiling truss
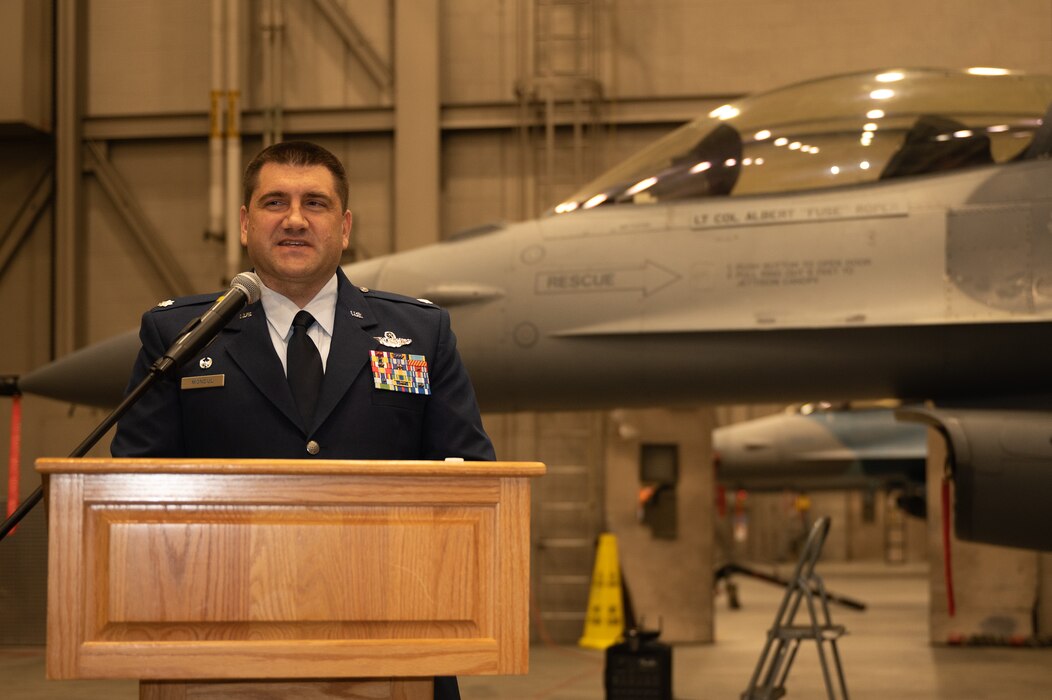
[(359, 45), (26, 218), (157, 253)]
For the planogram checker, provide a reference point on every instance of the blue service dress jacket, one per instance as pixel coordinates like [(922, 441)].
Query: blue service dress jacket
[(233, 400)]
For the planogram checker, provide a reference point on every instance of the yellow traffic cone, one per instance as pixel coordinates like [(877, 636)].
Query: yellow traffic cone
[(605, 620)]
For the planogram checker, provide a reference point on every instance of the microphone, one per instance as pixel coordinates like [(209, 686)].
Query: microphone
[(244, 289)]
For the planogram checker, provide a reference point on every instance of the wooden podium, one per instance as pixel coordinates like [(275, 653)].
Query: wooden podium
[(275, 579)]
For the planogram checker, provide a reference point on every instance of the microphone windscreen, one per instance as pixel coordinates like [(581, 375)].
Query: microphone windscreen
[(250, 284)]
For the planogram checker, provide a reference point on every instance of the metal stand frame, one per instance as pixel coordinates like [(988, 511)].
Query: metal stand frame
[(784, 637)]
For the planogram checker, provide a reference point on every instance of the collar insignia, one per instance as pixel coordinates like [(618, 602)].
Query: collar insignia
[(390, 340), (245, 314)]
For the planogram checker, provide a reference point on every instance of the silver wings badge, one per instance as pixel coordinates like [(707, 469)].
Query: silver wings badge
[(390, 340)]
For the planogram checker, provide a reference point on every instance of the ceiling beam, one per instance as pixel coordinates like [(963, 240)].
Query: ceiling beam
[(378, 119)]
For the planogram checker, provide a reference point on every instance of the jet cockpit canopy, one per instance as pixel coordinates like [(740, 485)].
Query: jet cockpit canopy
[(845, 130)]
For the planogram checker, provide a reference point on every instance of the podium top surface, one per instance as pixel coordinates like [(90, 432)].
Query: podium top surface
[(451, 467)]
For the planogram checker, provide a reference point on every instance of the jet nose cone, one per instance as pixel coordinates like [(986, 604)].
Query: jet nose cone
[(742, 445), (366, 273), (87, 375)]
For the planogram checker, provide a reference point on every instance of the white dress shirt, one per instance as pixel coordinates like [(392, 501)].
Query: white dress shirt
[(281, 310)]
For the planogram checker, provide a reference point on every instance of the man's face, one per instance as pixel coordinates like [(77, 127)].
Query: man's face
[(295, 229)]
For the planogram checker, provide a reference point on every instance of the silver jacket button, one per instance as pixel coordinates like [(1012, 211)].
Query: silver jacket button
[(313, 447)]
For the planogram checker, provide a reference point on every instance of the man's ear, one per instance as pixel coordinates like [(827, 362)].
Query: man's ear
[(243, 215), (348, 220)]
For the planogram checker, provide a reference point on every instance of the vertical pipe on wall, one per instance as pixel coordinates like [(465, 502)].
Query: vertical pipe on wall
[(266, 31), (417, 138), (272, 25), (277, 68), (68, 254), (524, 40), (216, 221), (233, 141)]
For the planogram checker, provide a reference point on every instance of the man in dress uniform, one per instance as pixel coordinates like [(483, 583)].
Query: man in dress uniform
[(317, 368)]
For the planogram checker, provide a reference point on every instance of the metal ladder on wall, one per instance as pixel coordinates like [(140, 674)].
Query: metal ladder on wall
[(784, 637), (559, 101)]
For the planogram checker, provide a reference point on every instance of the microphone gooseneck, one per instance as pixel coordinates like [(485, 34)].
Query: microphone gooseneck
[(245, 289)]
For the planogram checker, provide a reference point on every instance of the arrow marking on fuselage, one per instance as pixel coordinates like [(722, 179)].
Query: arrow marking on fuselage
[(648, 279)]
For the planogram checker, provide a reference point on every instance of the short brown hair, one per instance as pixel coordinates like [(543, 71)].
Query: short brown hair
[(300, 154)]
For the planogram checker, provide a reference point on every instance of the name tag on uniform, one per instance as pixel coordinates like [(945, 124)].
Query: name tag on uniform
[(396, 371), (204, 381)]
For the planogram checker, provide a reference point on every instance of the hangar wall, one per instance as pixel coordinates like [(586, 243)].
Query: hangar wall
[(140, 85), (145, 95)]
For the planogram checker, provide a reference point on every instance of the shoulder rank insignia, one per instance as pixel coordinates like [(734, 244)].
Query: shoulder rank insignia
[(166, 302), (396, 371), (390, 340)]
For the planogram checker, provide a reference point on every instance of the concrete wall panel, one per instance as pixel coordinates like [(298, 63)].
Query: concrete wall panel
[(370, 170), (168, 181), (480, 43), (25, 65), (320, 71), (25, 285), (155, 57), (669, 579), (148, 57), (479, 172), (681, 47)]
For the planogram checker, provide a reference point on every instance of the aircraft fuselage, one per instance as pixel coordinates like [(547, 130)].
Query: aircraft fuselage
[(875, 291)]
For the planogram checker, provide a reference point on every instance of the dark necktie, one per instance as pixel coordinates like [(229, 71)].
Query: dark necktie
[(304, 367)]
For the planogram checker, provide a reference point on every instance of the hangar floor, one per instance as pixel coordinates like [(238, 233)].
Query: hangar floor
[(885, 655)]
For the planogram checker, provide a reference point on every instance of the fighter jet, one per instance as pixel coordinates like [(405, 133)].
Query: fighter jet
[(880, 234), (824, 445)]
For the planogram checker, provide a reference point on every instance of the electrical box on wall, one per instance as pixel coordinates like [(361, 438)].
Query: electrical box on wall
[(659, 463), (25, 67), (658, 476)]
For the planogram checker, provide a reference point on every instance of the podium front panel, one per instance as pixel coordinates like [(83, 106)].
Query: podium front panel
[(287, 575)]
